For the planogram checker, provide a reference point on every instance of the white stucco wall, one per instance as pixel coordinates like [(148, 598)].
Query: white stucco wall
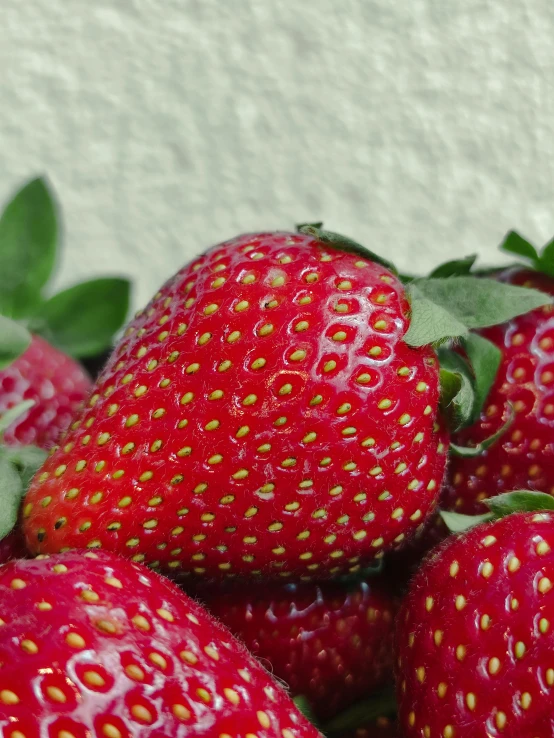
[(425, 128)]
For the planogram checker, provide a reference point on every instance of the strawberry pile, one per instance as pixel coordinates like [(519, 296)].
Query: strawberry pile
[(283, 431)]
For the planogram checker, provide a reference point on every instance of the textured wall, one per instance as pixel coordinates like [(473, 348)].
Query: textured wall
[(424, 127)]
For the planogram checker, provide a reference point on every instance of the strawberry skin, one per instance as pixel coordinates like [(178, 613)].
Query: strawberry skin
[(524, 457), (475, 635), (57, 384), (12, 546), (329, 643), (261, 416), (98, 647)]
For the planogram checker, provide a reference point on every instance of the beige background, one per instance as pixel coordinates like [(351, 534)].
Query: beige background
[(425, 128)]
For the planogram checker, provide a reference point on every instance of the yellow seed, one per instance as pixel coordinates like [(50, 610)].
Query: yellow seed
[(329, 366), (232, 696), (542, 548), (520, 650), (460, 602), (437, 637), (544, 585), (29, 646), (471, 700), (233, 336), (494, 665), (420, 672), (286, 389), (204, 695), (56, 694), (265, 330), (250, 400), (18, 584), (339, 336), (485, 622), (384, 404), (500, 720), (513, 564), (442, 689), (460, 653), (212, 425), (258, 363), (525, 700), (487, 570), (263, 719), (298, 355), (404, 419)]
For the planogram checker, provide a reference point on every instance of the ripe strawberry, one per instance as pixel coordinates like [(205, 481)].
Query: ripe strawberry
[(329, 643), (55, 382), (262, 415), (475, 638), (100, 647), (523, 458)]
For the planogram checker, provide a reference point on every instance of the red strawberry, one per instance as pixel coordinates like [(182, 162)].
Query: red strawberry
[(56, 383), (475, 638), (102, 648), (524, 457), (329, 643), (262, 415)]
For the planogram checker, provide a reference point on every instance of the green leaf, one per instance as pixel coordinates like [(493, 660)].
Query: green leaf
[(14, 340), (378, 705), (10, 496), (457, 523), (83, 319), (447, 308), (343, 243), (485, 359), (454, 268), (14, 413), (519, 501), (429, 322), (546, 259), (300, 226), (27, 460), (513, 243), (469, 452), (457, 398), (28, 239)]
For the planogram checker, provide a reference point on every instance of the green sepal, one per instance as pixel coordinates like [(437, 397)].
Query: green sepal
[(519, 501), (513, 243), (343, 243), (14, 341), (443, 309), (28, 244), (458, 523), (83, 319), (454, 268), (380, 704), (11, 490), (457, 397), (485, 358), (469, 452), (500, 506), (27, 460)]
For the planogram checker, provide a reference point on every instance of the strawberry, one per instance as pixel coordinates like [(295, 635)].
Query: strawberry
[(523, 458), (474, 636), (265, 396), (93, 645), (328, 642), (55, 382)]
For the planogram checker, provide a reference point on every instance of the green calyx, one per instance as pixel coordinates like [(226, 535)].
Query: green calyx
[(81, 320), (18, 465), (542, 261), (500, 506)]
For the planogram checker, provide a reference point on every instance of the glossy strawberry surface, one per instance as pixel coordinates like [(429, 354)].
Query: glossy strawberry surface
[(475, 635), (524, 457), (330, 643), (54, 381), (261, 416), (93, 646)]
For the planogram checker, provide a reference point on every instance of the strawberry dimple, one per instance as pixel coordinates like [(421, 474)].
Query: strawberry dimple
[(100, 647), (475, 634), (264, 396)]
